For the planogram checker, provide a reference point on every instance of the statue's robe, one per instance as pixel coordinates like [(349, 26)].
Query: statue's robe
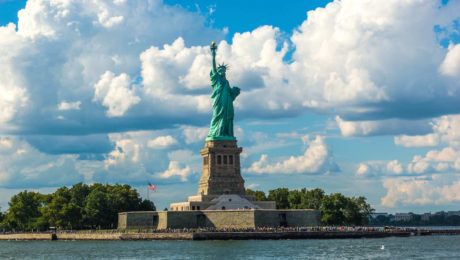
[(222, 104)]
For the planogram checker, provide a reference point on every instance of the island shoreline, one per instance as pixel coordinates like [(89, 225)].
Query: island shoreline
[(251, 235)]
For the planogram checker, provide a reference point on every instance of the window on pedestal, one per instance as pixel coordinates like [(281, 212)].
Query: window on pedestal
[(230, 159), (225, 159), (219, 159)]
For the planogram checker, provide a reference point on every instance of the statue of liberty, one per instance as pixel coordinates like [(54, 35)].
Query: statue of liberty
[(222, 102)]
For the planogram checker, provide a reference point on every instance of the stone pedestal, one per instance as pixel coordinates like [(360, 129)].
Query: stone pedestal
[(221, 185), (221, 169)]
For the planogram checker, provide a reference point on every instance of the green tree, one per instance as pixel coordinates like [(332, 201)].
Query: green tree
[(416, 219), (280, 196), (121, 198), (104, 202), (332, 207), (365, 209), (259, 195), (61, 211), (81, 206), (312, 199), (295, 199), (78, 194), (336, 209), (147, 205), (437, 219), (96, 211), (352, 212), (2, 216), (24, 211), (453, 220)]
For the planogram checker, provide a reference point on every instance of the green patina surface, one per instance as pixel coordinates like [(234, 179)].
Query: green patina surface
[(223, 95)]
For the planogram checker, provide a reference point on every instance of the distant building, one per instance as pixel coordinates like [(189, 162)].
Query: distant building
[(440, 213), (391, 218), (453, 213), (425, 216), (378, 214), (404, 217)]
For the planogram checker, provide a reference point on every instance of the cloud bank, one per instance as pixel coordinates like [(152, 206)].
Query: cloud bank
[(104, 91)]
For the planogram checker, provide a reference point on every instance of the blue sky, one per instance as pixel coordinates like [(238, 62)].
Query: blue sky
[(348, 96)]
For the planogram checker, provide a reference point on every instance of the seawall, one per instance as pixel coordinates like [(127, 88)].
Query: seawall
[(98, 236), (158, 236), (88, 236), (274, 235), (27, 236)]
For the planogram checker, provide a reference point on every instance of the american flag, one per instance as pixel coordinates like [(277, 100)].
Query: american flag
[(151, 186)]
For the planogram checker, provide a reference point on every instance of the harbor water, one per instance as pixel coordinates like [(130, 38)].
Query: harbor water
[(416, 247)]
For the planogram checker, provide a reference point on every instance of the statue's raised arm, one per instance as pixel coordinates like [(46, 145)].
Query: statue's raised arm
[(213, 52)]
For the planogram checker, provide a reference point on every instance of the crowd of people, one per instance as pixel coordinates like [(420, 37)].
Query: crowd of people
[(230, 229), (283, 229)]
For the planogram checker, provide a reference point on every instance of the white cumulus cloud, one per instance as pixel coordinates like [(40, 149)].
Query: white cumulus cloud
[(194, 134), (115, 93), (316, 159), (162, 142), (69, 105), (448, 130), (380, 168), (360, 56), (412, 191), (417, 140), (174, 169), (451, 64)]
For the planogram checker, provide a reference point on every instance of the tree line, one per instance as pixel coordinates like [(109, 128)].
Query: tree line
[(336, 209), (97, 206), (79, 207), (439, 219)]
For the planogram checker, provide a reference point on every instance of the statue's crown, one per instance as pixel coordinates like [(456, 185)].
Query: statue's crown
[(223, 66)]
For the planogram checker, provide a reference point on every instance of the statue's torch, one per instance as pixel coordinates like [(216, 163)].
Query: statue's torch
[(213, 47)]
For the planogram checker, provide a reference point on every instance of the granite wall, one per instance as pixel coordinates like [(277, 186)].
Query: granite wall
[(288, 218), (219, 219), (137, 219)]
